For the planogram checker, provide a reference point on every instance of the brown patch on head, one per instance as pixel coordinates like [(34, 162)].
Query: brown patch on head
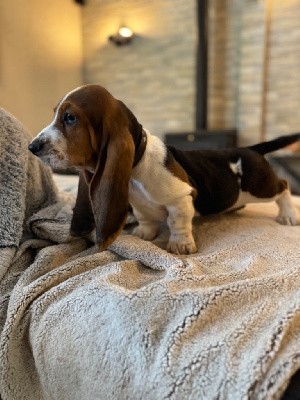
[(77, 131), (176, 169)]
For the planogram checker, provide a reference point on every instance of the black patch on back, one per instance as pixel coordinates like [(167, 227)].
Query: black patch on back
[(217, 185)]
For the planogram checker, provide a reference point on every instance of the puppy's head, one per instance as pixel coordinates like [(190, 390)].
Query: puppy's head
[(96, 133)]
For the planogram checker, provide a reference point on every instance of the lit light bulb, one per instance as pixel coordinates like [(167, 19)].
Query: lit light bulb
[(125, 32)]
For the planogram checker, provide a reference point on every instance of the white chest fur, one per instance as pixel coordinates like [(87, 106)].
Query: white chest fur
[(156, 194), (152, 186), (141, 201)]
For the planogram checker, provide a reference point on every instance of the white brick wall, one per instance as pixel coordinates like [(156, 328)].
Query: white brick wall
[(283, 97), (255, 72), (155, 75)]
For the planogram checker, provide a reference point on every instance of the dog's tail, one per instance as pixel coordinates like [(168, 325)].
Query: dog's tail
[(276, 144)]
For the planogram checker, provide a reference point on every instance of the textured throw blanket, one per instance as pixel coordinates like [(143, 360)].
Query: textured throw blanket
[(25, 187), (135, 322)]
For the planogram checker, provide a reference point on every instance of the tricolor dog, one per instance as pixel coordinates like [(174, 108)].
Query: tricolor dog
[(122, 163)]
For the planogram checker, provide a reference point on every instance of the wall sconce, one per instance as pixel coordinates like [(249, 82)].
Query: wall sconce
[(123, 36)]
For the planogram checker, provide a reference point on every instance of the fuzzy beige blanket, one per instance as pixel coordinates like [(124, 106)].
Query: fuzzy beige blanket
[(135, 322)]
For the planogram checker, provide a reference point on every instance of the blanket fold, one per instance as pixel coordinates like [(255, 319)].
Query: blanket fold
[(135, 322), (25, 186)]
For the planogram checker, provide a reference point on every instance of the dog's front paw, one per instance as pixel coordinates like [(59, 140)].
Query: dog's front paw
[(183, 246), (146, 232)]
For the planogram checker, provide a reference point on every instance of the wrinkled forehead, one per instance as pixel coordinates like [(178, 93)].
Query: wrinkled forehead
[(87, 98), (63, 100)]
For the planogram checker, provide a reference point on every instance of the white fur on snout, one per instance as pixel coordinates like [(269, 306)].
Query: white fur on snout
[(54, 150)]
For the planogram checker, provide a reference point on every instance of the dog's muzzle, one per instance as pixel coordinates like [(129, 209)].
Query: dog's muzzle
[(36, 146)]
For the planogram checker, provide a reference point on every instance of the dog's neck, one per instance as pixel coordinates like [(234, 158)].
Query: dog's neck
[(140, 148)]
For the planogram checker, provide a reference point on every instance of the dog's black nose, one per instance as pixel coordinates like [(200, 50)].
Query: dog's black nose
[(35, 146)]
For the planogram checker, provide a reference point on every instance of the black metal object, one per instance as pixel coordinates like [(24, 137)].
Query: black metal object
[(291, 163), (288, 167), (202, 65), (203, 139)]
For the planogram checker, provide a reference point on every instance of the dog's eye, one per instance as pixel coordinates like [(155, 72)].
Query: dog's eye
[(69, 119)]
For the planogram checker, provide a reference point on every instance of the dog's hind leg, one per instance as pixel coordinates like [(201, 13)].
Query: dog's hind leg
[(288, 213)]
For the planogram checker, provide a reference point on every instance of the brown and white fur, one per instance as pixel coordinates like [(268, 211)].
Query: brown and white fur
[(122, 163)]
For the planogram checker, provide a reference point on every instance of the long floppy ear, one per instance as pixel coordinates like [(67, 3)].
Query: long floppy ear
[(83, 221), (109, 185)]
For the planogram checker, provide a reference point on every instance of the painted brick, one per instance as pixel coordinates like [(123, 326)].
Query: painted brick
[(155, 75)]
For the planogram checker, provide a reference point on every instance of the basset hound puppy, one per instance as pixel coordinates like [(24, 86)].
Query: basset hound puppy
[(120, 162)]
